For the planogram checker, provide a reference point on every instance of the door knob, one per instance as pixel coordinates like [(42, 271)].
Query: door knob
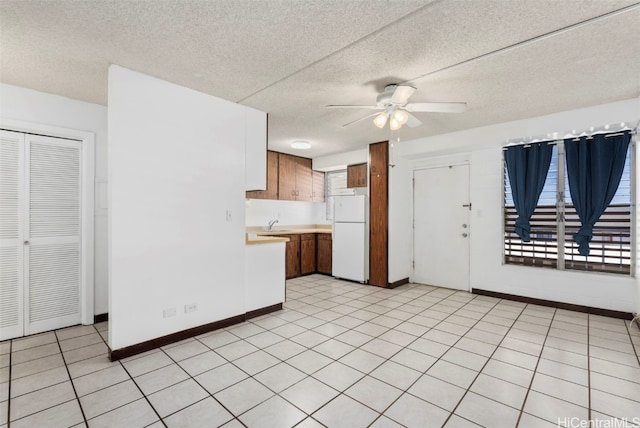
[(464, 225), (464, 235), (26, 242)]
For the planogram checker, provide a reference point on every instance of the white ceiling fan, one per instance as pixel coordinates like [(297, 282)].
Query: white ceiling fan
[(395, 108)]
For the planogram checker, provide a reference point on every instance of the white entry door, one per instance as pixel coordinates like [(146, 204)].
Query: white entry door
[(40, 242), (441, 226)]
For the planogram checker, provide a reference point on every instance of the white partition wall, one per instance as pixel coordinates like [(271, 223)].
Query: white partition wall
[(176, 198)]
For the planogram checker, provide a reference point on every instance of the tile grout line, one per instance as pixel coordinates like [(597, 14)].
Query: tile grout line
[(200, 385), (589, 367), (134, 382), (356, 348), (535, 369), (406, 391), (10, 381), (513, 323), (452, 411), (84, 417), (141, 392), (380, 414), (633, 345), (399, 308)]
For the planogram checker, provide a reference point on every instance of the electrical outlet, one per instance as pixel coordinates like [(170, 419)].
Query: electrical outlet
[(192, 307), (169, 312)]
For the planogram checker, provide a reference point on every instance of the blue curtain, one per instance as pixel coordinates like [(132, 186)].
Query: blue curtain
[(527, 168), (594, 166)]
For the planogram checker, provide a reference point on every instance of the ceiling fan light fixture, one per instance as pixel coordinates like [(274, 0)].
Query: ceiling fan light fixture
[(401, 116), (394, 125), (300, 145), (380, 120)]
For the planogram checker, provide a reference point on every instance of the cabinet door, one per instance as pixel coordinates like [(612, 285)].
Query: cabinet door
[(318, 186), (357, 175), (286, 177), (272, 176), (307, 253), (363, 175), (304, 181), (324, 253), (292, 269), (292, 255)]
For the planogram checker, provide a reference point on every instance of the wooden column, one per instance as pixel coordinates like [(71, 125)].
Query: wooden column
[(379, 214)]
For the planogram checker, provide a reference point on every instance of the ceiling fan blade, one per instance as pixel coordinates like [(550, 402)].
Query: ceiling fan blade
[(413, 122), (358, 120), (437, 107), (354, 106), (402, 94)]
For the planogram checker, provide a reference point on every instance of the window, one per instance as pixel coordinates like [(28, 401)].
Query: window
[(336, 185), (555, 221)]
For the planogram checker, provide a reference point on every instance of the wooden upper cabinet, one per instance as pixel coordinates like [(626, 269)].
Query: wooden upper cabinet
[(286, 177), (294, 178), (304, 180), (357, 175), (318, 186), (379, 158), (290, 178), (272, 179)]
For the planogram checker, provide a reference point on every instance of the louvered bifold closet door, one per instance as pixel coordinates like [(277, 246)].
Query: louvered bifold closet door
[(53, 229), (11, 236)]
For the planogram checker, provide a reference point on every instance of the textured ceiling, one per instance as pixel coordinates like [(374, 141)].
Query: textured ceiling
[(290, 58)]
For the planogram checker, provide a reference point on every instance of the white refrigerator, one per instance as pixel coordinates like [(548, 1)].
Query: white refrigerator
[(350, 257)]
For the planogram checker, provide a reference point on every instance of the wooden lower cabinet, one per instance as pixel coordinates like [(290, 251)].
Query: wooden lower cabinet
[(292, 256), (324, 246), (307, 253), (292, 268)]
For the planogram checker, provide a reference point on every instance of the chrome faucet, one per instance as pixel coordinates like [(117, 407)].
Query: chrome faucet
[(271, 223)]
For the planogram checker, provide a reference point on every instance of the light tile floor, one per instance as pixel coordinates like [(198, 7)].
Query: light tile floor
[(340, 355)]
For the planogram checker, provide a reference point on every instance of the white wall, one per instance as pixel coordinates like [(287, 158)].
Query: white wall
[(260, 211), (26, 105), (176, 167), (340, 160), (482, 147)]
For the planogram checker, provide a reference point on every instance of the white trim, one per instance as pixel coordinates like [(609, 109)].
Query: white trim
[(88, 192), (440, 161)]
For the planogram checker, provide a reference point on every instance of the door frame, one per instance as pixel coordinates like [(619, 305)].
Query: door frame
[(87, 139), (432, 163)]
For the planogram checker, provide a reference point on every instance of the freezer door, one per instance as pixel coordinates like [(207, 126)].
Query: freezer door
[(349, 259), (350, 208)]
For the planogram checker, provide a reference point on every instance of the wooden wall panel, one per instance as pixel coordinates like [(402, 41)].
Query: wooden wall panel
[(378, 214)]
